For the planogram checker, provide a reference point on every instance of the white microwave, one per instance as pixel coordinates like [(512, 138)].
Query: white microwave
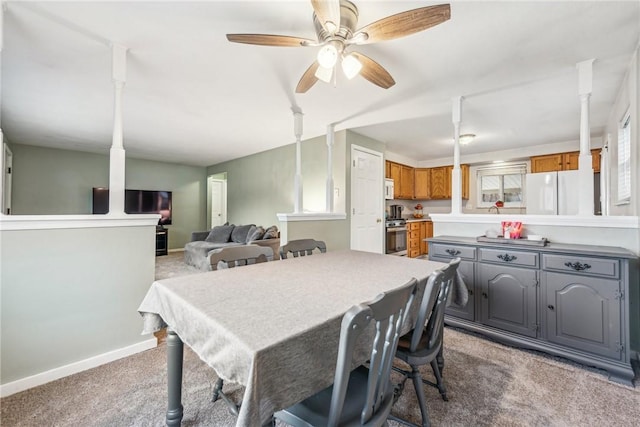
[(388, 188)]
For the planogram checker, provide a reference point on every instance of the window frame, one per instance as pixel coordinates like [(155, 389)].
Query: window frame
[(623, 161), (518, 168)]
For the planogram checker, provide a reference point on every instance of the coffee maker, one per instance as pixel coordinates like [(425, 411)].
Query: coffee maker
[(396, 211)]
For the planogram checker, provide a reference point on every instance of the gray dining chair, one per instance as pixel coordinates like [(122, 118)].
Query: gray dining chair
[(230, 257), (364, 396), (302, 247), (422, 345), (234, 256)]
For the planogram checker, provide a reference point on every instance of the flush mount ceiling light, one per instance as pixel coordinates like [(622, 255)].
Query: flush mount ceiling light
[(466, 138)]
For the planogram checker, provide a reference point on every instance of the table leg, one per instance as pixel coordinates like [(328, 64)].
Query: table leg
[(174, 378)]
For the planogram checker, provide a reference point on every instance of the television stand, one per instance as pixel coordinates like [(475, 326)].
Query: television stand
[(162, 241)]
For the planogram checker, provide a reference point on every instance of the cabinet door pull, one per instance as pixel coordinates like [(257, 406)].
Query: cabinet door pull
[(551, 307), (452, 252), (484, 294), (470, 291), (577, 266), (507, 257)]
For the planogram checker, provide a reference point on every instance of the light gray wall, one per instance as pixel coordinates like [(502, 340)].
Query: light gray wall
[(70, 294), (261, 185), (49, 181)]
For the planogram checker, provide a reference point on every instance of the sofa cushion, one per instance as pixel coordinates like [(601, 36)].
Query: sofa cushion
[(239, 234), (220, 234), (270, 233), (255, 233)]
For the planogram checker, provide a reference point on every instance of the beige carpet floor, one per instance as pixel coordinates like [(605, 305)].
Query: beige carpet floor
[(488, 384)]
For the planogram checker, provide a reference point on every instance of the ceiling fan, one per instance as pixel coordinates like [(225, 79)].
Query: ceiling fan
[(335, 24)]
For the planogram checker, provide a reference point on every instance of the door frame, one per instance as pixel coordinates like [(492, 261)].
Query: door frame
[(380, 163), (216, 178), (6, 164)]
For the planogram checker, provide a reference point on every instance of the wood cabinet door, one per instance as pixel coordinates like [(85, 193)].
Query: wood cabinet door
[(387, 169), (439, 183), (421, 184), (570, 160), (395, 175), (595, 160), (464, 172), (548, 163), (406, 182), (425, 233)]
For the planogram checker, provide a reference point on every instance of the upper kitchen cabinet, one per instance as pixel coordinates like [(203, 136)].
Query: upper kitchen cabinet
[(562, 162), (402, 177), (422, 184), (440, 182)]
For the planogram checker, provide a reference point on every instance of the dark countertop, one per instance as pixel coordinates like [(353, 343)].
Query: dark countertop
[(551, 247)]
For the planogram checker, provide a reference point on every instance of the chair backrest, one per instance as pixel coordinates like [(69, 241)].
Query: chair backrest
[(302, 247), (430, 319), (389, 311), (234, 256)]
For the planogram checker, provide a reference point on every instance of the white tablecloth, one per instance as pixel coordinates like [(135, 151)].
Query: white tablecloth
[(274, 327)]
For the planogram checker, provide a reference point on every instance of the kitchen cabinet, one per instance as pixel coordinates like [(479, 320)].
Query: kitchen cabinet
[(579, 302), (562, 162), (426, 231), (406, 182), (440, 183), (402, 177), (421, 184), (413, 239)]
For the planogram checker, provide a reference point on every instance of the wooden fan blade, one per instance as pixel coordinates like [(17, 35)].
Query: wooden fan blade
[(327, 11), (269, 40), (405, 23), (374, 72), (308, 78)]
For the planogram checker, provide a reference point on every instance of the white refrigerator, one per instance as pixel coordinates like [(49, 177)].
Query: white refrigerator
[(552, 193)]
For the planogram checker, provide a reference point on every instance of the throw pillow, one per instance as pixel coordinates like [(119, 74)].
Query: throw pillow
[(255, 233), (270, 233), (239, 234), (220, 234)]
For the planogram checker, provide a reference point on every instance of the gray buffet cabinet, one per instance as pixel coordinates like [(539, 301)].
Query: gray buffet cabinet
[(575, 301)]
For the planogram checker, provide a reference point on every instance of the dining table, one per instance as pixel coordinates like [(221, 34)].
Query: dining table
[(272, 327)]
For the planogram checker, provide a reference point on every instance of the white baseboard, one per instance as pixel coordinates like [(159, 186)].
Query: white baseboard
[(73, 368)]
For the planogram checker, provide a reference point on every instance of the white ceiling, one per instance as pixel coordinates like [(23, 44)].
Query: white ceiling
[(192, 97)]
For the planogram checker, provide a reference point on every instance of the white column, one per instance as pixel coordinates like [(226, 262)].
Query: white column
[(456, 184), (297, 183), (585, 166), (330, 138), (117, 153)]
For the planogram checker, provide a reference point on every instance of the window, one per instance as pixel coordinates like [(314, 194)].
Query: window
[(503, 183), (624, 159)]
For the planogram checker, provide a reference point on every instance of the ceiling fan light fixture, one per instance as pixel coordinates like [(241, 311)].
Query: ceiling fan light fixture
[(328, 56), (466, 138), (324, 74), (351, 66)]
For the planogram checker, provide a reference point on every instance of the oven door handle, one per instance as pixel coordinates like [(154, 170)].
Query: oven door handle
[(395, 229)]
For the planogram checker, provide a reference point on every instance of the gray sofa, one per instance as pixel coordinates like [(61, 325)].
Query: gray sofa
[(197, 251)]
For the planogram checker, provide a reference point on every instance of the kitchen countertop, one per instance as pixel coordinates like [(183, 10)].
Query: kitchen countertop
[(417, 219)]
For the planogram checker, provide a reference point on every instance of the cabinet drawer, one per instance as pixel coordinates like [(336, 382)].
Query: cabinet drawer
[(413, 234), (413, 226), (413, 253), (582, 265), (508, 256), (453, 251), (414, 243)]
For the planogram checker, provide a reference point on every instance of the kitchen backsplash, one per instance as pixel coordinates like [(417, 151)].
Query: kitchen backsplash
[(443, 206)]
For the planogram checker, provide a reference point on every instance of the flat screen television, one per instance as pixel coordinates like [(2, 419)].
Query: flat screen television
[(137, 202)]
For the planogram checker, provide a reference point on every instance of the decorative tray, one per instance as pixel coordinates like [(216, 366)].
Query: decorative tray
[(523, 242)]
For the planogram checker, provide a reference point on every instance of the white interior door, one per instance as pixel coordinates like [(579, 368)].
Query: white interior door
[(218, 202), (367, 202)]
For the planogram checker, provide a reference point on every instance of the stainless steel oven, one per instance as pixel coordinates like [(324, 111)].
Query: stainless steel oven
[(396, 238)]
